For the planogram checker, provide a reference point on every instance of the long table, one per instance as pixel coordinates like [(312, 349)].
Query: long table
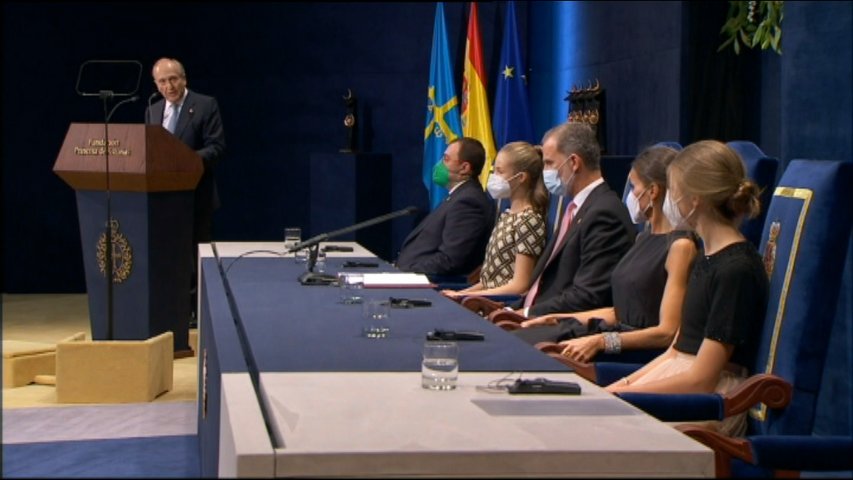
[(312, 397)]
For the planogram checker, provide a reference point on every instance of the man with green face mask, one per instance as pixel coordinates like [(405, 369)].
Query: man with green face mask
[(452, 239)]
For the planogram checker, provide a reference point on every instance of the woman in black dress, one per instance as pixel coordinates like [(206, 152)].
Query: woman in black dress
[(727, 292)]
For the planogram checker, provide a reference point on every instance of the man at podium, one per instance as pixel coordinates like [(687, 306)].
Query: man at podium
[(193, 118)]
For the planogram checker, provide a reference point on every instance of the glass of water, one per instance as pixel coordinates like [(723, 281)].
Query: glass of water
[(292, 236), (301, 256), (351, 284), (375, 312), (320, 263), (440, 367)]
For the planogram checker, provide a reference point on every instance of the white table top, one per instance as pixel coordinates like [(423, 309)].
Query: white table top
[(385, 424), (275, 249)]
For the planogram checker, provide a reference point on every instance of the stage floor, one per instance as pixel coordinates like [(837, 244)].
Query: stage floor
[(52, 317), (153, 439)]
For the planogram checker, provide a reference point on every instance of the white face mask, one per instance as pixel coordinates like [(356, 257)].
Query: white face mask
[(633, 203), (673, 214), (499, 187), (553, 181)]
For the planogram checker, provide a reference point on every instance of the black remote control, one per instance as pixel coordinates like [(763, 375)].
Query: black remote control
[(543, 385)]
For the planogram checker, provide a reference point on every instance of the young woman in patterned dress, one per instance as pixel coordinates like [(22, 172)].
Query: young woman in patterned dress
[(519, 235)]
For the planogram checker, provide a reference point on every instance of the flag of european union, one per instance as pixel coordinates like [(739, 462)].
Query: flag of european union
[(511, 121), (442, 117)]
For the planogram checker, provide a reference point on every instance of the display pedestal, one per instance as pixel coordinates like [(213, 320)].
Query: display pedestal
[(348, 188)]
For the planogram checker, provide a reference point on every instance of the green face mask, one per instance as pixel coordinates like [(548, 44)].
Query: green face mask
[(440, 174)]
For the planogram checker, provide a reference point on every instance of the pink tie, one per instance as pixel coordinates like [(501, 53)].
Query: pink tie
[(564, 227)]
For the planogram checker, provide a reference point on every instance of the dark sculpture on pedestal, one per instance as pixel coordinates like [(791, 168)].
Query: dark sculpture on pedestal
[(350, 122)]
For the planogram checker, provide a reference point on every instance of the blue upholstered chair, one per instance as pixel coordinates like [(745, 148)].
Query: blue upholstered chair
[(804, 242), (763, 170), (614, 169), (453, 282), (674, 145)]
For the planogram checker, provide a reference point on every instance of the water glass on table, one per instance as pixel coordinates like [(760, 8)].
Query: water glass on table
[(292, 237), (440, 366), (301, 256), (375, 312), (351, 285), (320, 262)]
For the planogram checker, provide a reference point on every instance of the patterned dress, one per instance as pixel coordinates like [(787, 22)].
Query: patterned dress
[(522, 232)]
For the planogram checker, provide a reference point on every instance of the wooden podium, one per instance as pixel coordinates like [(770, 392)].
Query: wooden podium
[(152, 177)]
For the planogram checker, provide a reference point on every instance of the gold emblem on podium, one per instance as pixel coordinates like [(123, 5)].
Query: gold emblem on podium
[(122, 254)]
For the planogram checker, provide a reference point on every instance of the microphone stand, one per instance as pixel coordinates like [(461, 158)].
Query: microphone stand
[(105, 95), (312, 278), (148, 110)]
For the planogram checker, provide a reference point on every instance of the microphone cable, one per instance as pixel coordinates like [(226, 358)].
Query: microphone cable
[(250, 252)]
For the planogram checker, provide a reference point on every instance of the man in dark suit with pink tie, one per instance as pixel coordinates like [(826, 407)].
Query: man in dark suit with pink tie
[(573, 273)]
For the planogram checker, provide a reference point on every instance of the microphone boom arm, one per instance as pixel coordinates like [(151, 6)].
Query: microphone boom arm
[(358, 226)]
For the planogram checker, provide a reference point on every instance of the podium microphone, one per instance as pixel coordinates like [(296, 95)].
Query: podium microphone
[(115, 107), (148, 110)]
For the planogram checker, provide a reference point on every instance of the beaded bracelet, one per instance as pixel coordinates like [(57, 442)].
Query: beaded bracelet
[(612, 342)]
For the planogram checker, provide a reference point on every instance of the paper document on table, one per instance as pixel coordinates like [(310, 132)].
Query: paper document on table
[(396, 280)]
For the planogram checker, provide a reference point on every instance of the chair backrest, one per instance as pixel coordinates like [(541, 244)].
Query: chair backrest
[(627, 188), (556, 206), (762, 169), (614, 169), (674, 145), (804, 244)]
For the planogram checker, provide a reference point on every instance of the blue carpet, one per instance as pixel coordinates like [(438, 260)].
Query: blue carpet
[(165, 457)]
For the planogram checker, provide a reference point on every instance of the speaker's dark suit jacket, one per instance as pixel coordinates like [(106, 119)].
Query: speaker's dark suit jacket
[(452, 239), (578, 278), (200, 128)]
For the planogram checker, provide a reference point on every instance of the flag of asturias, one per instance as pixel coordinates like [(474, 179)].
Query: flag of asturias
[(476, 121), (512, 120), (442, 116)]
